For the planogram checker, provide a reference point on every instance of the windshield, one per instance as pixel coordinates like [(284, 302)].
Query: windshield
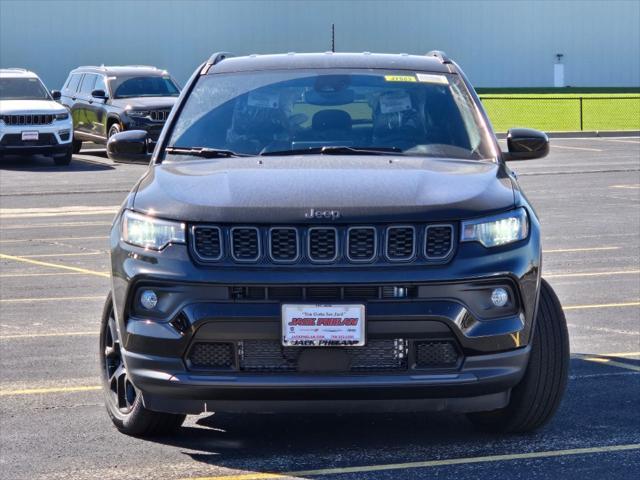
[(22, 89), (127, 87), (283, 111)]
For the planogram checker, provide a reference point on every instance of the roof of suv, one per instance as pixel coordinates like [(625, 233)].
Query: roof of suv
[(294, 61), (121, 69), (16, 73)]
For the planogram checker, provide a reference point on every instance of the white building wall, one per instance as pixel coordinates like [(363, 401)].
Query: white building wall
[(498, 43)]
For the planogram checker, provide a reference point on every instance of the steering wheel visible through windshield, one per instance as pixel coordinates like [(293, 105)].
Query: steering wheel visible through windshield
[(271, 112)]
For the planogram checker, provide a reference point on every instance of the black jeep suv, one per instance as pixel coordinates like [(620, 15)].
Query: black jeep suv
[(107, 100), (329, 231)]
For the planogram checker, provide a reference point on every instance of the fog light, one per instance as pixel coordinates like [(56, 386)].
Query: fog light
[(499, 297), (149, 299)]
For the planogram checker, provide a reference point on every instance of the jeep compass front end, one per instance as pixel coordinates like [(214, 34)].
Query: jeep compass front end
[(330, 231)]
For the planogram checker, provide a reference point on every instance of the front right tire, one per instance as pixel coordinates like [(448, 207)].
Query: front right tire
[(537, 397), (122, 398)]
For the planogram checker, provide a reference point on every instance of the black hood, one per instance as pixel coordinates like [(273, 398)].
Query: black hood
[(361, 188), (144, 102)]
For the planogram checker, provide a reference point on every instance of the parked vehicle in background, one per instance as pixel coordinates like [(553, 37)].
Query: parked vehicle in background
[(330, 231), (31, 121), (108, 100)]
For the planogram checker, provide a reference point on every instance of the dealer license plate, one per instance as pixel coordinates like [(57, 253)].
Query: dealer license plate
[(323, 325), (29, 136)]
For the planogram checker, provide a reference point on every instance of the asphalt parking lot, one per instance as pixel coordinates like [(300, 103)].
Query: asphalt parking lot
[(54, 277)]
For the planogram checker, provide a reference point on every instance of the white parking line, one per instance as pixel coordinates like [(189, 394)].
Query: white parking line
[(57, 211)]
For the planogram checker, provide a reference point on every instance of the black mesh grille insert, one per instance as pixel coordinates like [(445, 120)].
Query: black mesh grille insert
[(15, 140), (436, 353), (208, 242), (361, 243), (323, 244), (245, 244), (400, 243), (439, 241), (283, 244), (271, 356), (212, 355)]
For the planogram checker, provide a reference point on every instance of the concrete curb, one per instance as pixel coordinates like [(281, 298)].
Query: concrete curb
[(594, 134)]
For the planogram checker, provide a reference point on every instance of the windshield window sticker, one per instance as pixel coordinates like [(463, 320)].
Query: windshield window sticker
[(394, 102), (400, 78), (431, 78), (263, 99)]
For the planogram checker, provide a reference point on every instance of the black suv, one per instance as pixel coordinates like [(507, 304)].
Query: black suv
[(107, 100), (330, 231)]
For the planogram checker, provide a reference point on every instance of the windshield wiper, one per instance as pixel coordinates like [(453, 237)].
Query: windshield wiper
[(337, 150), (204, 152)]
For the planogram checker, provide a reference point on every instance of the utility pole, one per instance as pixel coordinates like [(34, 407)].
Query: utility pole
[(333, 37)]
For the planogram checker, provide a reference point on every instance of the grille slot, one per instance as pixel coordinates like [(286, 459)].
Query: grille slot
[(212, 355), (32, 119), (323, 244), (283, 244), (401, 243), (361, 244), (436, 354), (207, 242), (361, 293), (438, 241), (245, 244), (323, 293)]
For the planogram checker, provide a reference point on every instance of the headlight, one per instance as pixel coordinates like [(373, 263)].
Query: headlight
[(62, 116), (138, 113), (497, 230), (149, 232)]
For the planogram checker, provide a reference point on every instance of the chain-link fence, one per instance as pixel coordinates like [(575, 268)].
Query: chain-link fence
[(557, 114)]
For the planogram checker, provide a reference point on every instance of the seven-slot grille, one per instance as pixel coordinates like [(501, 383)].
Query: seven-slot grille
[(245, 244), (283, 244), (159, 115), (319, 244), (30, 119), (323, 244)]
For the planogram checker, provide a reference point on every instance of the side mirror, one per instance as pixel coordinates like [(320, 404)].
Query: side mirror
[(56, 95), (99, 94), (526, 144), (130, 146)]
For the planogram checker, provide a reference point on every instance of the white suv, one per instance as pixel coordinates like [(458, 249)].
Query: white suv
[(31, 121)]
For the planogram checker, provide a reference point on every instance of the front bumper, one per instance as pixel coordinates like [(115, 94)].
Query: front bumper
[(493, 349), (53, 138)]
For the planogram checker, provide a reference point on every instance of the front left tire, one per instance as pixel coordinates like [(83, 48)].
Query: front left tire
[(537, 397), (122, 398)]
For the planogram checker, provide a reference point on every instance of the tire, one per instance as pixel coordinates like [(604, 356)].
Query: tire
[(77, 146), (122, 399), (113, 129), (536, 398), (64, 159)]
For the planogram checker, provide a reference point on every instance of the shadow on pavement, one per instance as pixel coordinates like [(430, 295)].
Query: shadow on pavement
[(286, 442)]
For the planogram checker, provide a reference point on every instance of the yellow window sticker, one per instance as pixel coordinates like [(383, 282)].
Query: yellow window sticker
[(431, 78), (400, 78)]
